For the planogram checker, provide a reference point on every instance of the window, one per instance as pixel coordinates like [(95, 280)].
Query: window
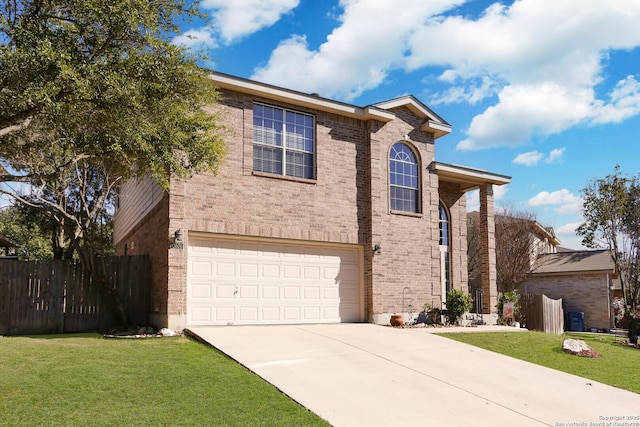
[(444, 226), (283, 142), (403, 178), (445, 261)]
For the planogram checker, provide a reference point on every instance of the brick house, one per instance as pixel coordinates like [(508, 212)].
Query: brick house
[(321, 212)]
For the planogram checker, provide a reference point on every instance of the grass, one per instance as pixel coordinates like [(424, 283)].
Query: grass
[(89, 380), (617, 367)]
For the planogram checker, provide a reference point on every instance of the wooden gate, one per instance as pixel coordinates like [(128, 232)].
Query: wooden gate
[(541, 313)]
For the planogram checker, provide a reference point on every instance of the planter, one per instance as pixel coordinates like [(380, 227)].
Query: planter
[(396, 320)]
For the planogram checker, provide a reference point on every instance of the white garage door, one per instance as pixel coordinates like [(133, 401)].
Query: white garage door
[(260, 282)]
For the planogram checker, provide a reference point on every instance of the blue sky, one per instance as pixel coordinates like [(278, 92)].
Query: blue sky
[(544, 91)]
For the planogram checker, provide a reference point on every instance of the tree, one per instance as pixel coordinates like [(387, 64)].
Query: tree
[(612, 221), (515, 247), (30, 228), (94, 93)]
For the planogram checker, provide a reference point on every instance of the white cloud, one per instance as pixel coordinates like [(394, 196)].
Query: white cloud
[(530, 158), (196, 39), (540, 59), (555, 156), (371, 40), (569, 228), (564, 200), (239, 18)]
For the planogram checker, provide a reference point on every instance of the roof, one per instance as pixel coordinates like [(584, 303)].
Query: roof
[(468, 178), (431, 121), (6, 242), (574, 262)]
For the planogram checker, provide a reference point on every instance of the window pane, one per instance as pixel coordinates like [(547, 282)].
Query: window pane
[(299, 165), (267, 159), (404, 199)]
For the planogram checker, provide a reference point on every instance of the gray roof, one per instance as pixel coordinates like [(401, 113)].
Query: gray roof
[(574, 262), (6, 242)]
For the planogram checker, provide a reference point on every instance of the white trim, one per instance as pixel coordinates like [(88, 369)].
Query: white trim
[(299, 98)]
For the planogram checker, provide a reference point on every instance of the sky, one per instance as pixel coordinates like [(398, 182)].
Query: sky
[(544, 91)]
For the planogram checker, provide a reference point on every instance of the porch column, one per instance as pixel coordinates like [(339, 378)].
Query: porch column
[(488, 251)]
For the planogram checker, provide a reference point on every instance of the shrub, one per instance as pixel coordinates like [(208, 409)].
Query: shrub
[(458, 303)]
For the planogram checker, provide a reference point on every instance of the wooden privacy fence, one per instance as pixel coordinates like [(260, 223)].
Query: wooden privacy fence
[(541, 313), (45, 297)]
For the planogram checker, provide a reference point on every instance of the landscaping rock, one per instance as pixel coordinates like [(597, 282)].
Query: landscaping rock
[(166, 332), (578, 348)]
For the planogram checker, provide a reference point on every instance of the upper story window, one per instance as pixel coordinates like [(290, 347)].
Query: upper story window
[(403, 178), (283, 142)]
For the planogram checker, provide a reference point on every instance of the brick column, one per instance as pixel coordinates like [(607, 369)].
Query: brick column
[(488, 250)]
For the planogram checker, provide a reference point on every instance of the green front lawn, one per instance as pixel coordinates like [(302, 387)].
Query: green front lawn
[(90, 380), (618, 365)]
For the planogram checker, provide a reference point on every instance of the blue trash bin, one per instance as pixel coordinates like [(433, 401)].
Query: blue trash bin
[(576, 321)]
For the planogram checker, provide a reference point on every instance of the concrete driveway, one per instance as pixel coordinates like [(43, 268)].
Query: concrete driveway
[(363, 374)]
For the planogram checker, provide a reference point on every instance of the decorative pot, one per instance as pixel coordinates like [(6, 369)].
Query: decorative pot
[(396, 320)]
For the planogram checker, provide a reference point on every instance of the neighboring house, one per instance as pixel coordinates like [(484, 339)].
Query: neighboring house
[(587, 282), (321, 212), (523, 240), (7, 247)]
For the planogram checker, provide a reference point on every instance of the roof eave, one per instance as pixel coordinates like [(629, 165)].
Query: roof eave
[(468, 178), (299, 98)]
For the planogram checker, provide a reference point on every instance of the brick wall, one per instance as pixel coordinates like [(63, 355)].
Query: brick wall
[(407, 272)]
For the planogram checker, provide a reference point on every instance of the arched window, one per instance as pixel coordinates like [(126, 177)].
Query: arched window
[(403, 178), (445, 242)]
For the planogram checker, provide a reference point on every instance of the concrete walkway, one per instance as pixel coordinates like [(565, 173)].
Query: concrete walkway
[(363, 374)]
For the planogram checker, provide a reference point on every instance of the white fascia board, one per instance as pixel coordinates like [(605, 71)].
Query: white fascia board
[(299, 98), (438, 129), (468, 178)]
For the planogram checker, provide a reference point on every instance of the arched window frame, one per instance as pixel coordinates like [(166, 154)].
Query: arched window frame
[(404, 178)]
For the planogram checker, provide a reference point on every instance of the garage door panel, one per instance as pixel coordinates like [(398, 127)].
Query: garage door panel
[(225, 269), (202, 315), (201, 291), (271, 314), (311, 292), (201, 268), (246, 282), (248, 292), (312, 272), (270, 271), (224, 315), (291, 292), (224, 291), (270, 292), (291, 272), (291, 314)]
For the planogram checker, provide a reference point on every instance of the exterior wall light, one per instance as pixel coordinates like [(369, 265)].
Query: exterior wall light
[(377, 249), (175, 241)]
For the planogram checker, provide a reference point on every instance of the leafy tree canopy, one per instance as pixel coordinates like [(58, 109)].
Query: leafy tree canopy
[(611, 212), (97, 80)]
